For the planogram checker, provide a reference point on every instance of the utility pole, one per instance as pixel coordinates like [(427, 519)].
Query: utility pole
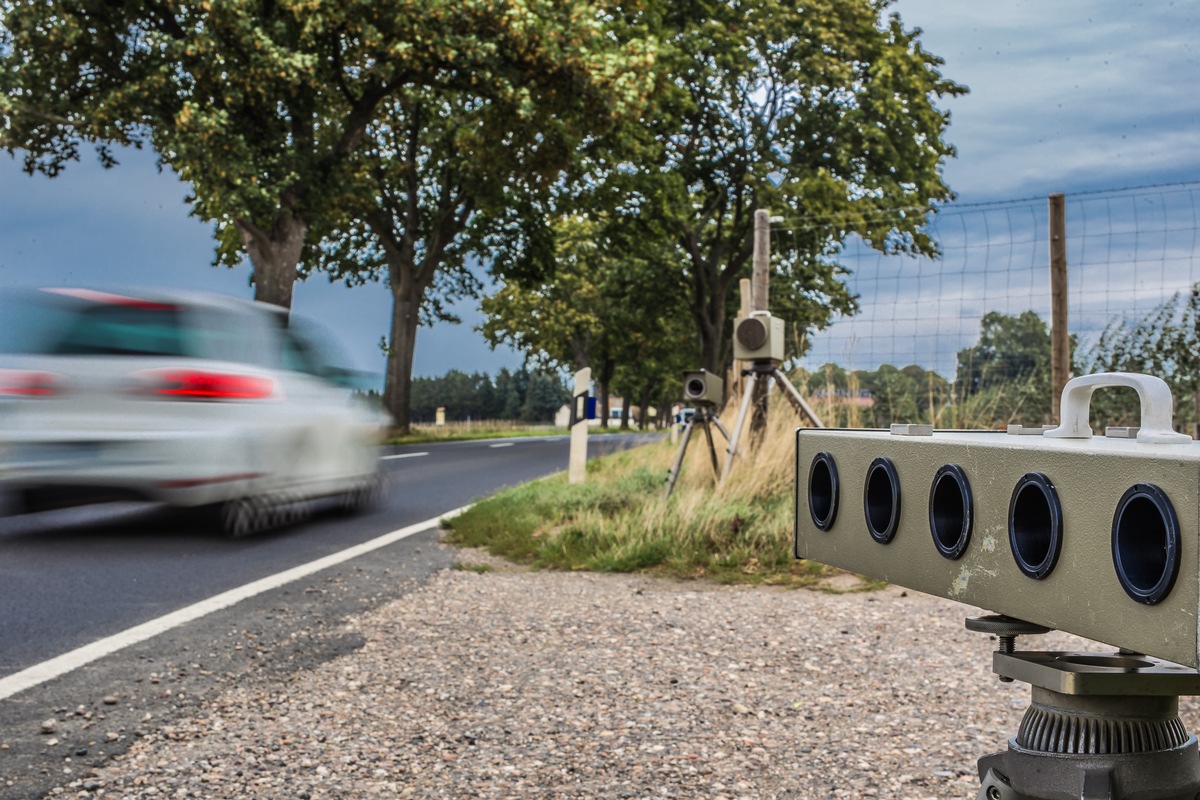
[(760, 300)]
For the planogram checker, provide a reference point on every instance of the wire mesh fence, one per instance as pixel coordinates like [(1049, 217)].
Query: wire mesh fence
[(979, 314)]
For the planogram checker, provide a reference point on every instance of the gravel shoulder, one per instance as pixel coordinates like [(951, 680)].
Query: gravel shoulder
[(492, 681)]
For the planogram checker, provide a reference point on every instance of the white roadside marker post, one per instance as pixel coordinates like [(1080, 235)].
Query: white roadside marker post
[(579, 427)]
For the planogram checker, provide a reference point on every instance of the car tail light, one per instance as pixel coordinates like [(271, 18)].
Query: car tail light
[(29, 383), (195, 384), (107, 298)]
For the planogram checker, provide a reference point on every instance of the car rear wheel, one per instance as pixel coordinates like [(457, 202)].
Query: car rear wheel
[(244, 516), (364, 496)]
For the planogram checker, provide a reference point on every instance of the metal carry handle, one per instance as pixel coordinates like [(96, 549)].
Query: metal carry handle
[(1155, 396)]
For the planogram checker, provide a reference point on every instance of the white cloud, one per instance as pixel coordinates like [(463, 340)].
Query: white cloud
[(1066, 93)]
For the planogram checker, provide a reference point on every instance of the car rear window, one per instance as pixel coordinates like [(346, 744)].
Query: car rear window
[(75, 323), (120, 330)]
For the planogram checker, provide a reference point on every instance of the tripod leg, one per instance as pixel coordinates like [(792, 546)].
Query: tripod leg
[(683, 443), (712, 450), (716, 421), (796, 399), (747, 396)]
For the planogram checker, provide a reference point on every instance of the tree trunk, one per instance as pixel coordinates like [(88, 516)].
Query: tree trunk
[(708, 312), (602, 390), (647, 392), (407, 296), (275, 256), (603, 382), (625, 414), (715, 270)]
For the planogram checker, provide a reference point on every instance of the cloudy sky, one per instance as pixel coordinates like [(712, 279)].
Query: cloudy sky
[(1066, 96)]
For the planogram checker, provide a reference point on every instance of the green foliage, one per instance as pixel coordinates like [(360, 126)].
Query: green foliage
[(263, 107), (523, 396), (1005, 376), (561, 321), (911, 394), (607, 305), (618, 522), (837, 106), (1164, 343), (877, 399)]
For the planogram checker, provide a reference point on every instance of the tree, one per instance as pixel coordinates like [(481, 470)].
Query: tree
[(608, 306), (559, 321), (1007, 371), (439, 173), (261, 106), (1164, 343), (545, 397), (1010, 348), (910, 394), (818, 110)]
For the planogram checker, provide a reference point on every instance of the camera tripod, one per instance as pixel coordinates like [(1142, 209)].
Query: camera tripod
[(704, 417), (766, 370), (1099, 726)]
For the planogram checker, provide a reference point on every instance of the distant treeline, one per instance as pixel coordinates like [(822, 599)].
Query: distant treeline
[(522, 396)]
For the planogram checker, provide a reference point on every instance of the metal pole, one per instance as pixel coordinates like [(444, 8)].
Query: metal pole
[(731, 451), (712, 450), (797, 399), (1060, 353), (674, 473), (716, 421)]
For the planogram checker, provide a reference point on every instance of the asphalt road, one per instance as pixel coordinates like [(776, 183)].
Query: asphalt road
[(68, 578)]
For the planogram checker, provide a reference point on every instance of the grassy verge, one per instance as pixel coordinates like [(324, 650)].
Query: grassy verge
[(422, 435), (619, 521), (460, 431)]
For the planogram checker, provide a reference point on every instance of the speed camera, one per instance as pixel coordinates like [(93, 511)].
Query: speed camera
[(1096, 535), (701, 387), (758, 337)]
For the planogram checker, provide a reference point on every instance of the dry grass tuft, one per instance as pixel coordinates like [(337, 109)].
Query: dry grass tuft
[(620, 521)]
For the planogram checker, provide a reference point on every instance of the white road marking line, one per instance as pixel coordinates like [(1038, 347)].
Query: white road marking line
[(402, 455), (502, 444), (61, 665)]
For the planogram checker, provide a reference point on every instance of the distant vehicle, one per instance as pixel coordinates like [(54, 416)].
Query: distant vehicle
[(197, 401)]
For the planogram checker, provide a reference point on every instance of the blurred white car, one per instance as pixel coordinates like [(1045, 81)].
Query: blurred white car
[(191, 400)]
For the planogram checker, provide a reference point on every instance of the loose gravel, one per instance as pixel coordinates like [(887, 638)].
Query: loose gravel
[(508, 683)]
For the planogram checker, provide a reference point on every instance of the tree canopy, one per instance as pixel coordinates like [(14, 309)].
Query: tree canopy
[(823, 111), (512, 395), (261, 105), (413, 141)]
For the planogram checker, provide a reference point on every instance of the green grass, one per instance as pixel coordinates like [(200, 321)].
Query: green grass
[(619, 521), (459, 432), (424, 436)]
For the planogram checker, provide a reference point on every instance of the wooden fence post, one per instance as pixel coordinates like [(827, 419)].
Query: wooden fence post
[(1060, 339)]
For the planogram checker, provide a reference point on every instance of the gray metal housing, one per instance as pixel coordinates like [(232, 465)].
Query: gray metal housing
[(1062, 568)]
